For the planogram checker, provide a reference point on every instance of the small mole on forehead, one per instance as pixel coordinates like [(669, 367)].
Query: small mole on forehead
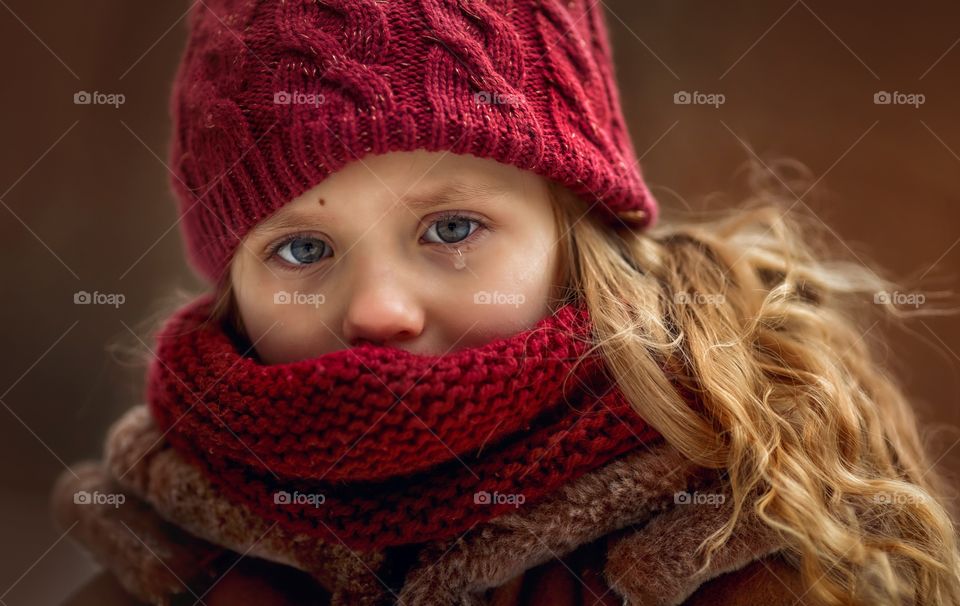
[(322, 201)]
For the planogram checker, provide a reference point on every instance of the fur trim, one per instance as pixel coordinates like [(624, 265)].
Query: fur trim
[(632, 502), (151, 558), (658, 565)]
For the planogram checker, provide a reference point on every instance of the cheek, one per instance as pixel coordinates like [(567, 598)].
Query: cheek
[(509, 291), (293, 341), (526, 271), (284, 330)]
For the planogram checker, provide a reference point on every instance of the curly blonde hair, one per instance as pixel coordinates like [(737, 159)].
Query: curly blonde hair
[(749, 309)]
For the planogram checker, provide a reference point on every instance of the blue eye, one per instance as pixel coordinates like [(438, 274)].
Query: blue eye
[(453, 229), (302, 250)]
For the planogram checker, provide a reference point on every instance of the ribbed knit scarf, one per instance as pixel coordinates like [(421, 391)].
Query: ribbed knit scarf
[(375, 446)]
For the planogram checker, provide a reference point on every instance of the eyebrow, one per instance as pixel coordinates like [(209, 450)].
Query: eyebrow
[(452, 192)]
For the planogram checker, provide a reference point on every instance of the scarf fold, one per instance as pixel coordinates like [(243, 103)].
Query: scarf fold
[(375, 446)]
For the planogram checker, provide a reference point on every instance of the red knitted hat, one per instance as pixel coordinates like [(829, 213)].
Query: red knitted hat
[(272, 96)]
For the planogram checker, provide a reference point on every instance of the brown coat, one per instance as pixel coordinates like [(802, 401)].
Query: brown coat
[(617, 535)]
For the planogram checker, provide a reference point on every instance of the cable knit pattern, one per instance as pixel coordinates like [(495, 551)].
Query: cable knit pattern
[(351, 67), (399, 444), (272, 96), (573, 76)]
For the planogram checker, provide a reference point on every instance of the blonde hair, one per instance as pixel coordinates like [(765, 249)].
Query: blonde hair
[(747, 309)]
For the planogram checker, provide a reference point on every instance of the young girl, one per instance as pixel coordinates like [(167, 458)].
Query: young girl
[(452, 356)]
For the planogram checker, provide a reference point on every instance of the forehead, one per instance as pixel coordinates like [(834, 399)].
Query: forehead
[(419, 180), (438, 194)]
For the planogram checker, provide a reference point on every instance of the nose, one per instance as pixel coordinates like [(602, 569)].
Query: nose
[(382, 311)]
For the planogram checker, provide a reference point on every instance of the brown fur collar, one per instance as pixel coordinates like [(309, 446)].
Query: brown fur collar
[(173, 526)]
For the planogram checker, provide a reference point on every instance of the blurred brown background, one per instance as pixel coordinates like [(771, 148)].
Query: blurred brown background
[(85, 204)]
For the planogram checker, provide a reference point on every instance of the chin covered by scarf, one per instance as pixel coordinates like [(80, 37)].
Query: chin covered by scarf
[(389, 476)]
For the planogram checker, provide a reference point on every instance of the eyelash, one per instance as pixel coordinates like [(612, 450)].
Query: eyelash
[(274, 249)]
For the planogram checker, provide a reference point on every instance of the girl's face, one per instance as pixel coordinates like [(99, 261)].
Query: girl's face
[(430, 252)]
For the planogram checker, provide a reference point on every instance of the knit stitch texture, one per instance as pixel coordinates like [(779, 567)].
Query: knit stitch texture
[(273, 96), (385, 446)]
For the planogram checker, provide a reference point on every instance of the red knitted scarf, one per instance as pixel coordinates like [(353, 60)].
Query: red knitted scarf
[(375, 446)]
